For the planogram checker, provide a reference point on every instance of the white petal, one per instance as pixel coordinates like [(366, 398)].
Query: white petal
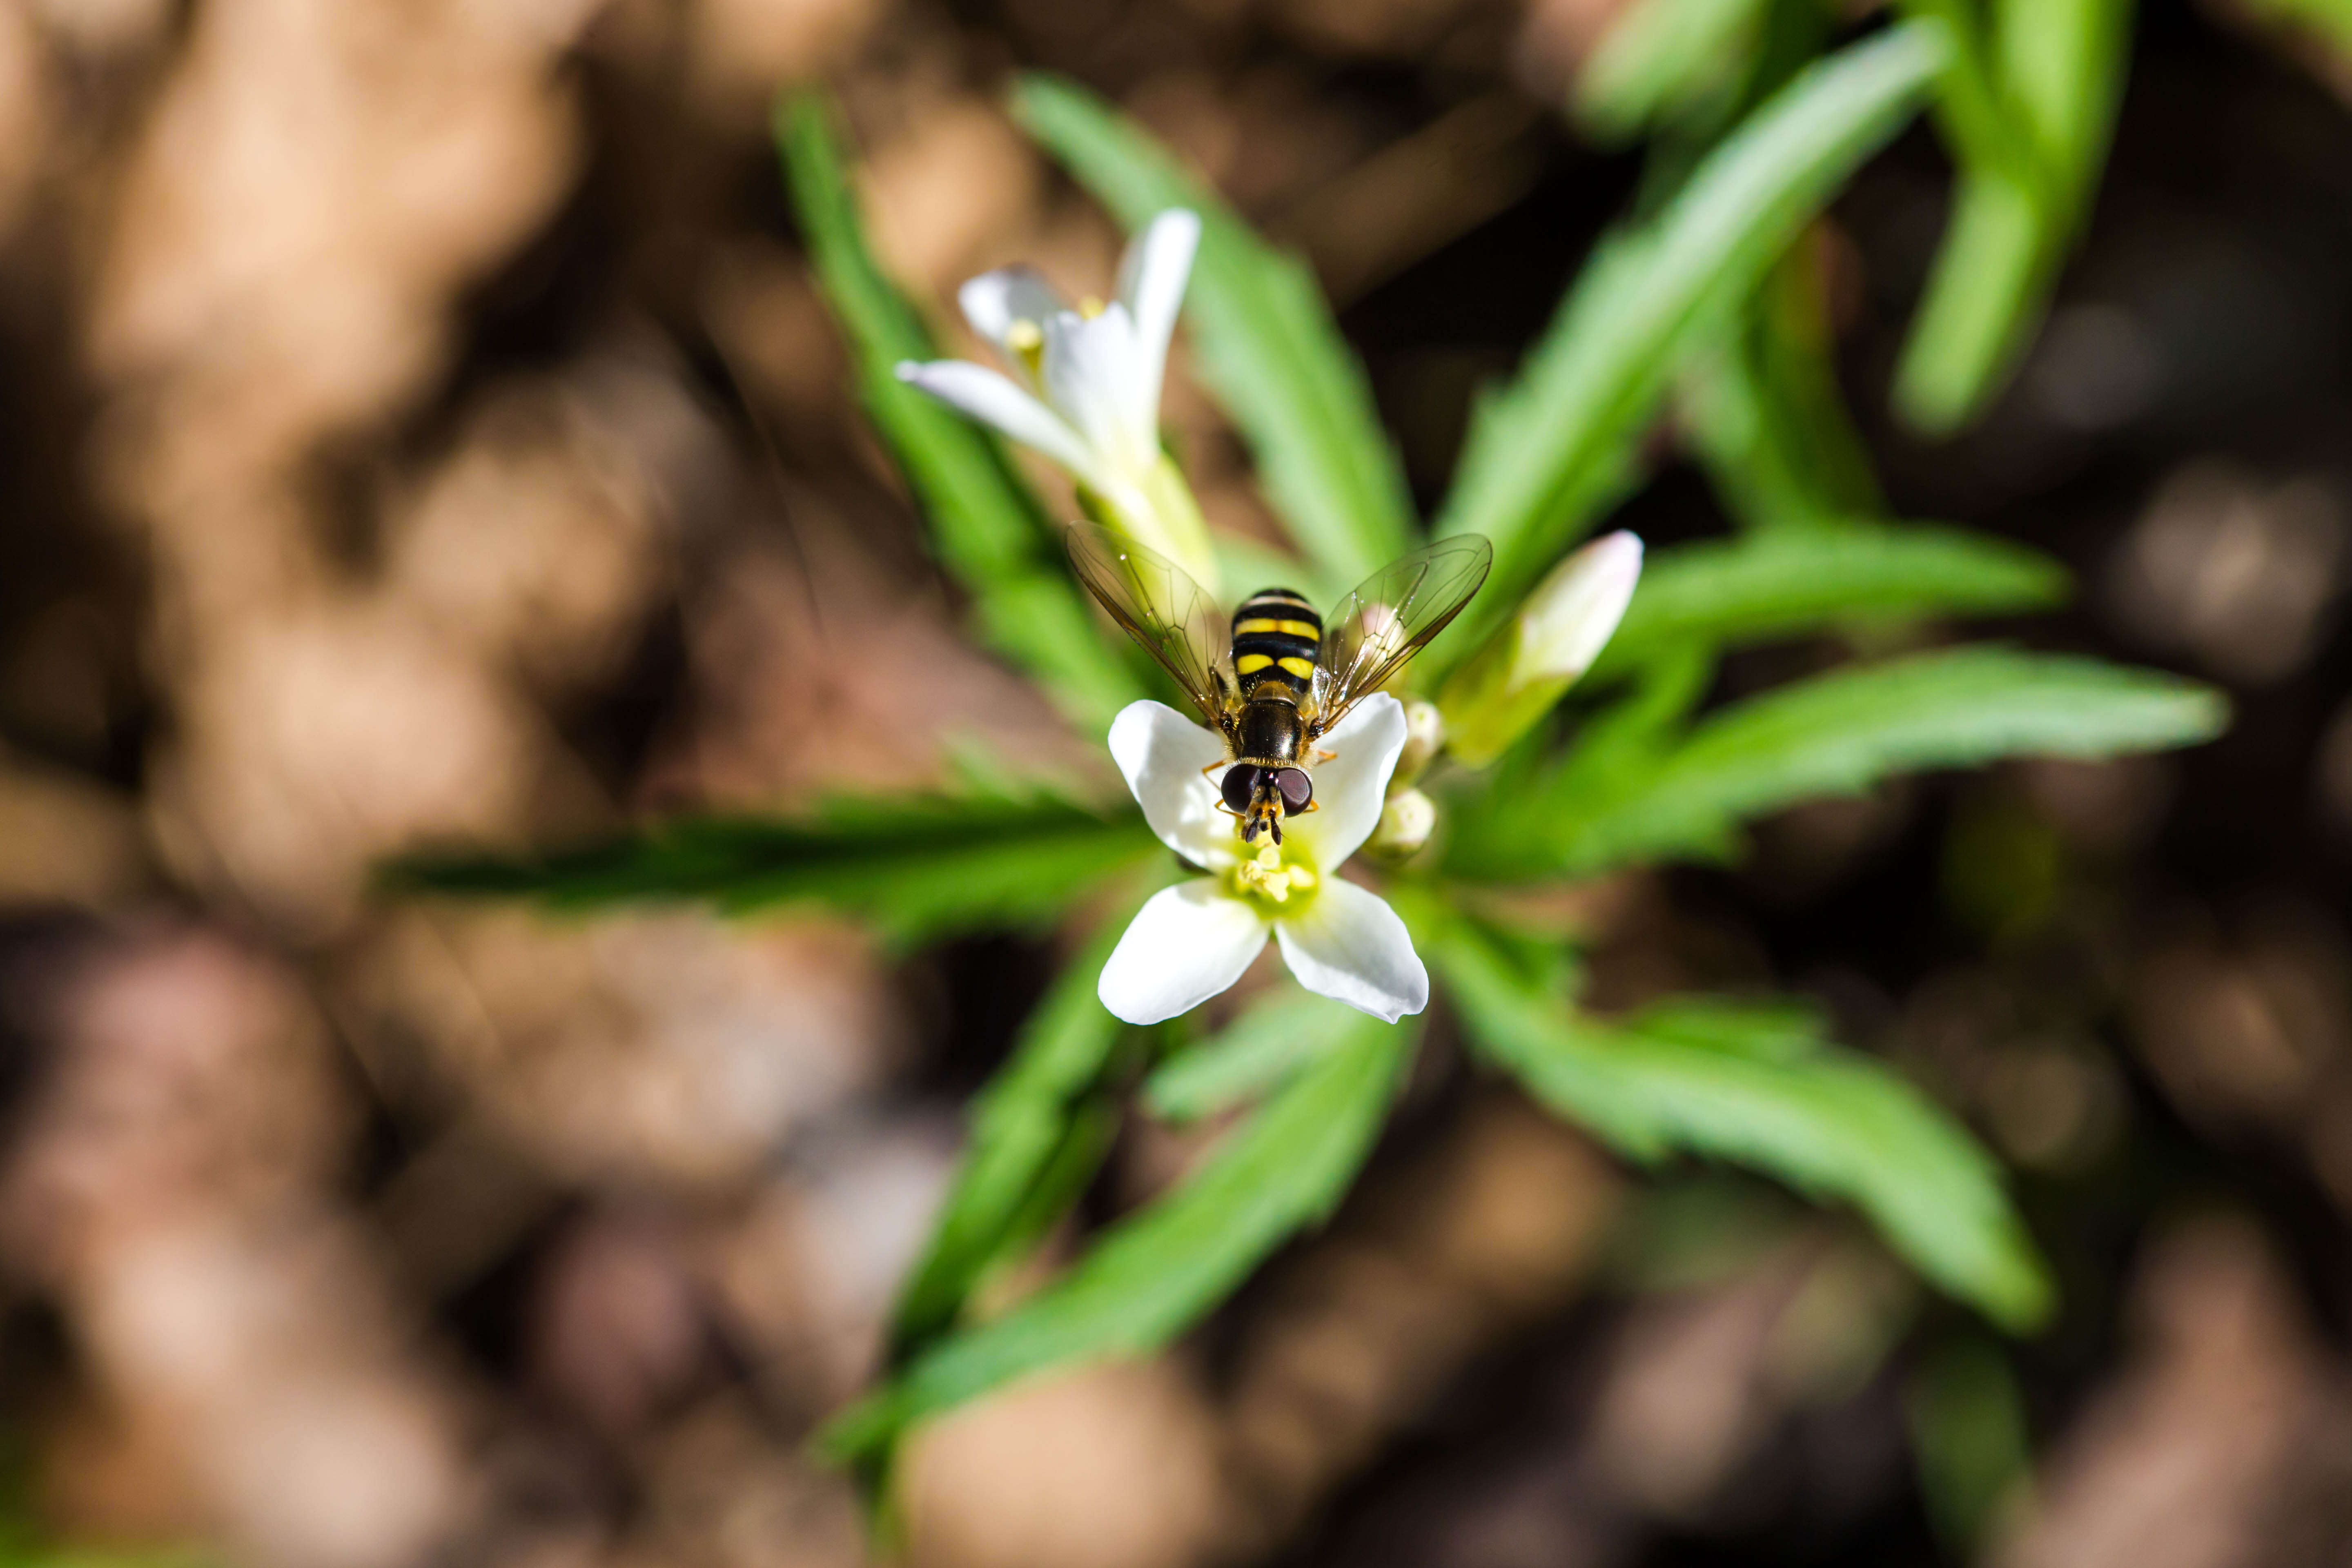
[(1350, 946), (994, 300), (995, 401), (1089, 372), (1350, 787), (1187, 944), (1151, 281), (1571, 615), (1162, 753)]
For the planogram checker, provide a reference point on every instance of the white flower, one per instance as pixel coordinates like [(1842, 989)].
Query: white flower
[(1084, 388), (1193, 940)]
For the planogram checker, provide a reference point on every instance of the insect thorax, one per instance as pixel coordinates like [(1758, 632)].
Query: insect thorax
[(1269, 729)]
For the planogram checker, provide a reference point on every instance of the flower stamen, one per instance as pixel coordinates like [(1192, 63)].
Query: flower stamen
[(1025, 341), (1268, 877)]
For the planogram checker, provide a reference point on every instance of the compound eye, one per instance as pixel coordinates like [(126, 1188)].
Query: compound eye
[(1297, 788), (1241, 783)]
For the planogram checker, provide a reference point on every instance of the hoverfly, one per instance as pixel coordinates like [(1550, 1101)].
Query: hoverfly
[(1269, 680)]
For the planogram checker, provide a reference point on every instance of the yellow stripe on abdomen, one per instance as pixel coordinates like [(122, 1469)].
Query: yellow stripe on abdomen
[(1250, 663)]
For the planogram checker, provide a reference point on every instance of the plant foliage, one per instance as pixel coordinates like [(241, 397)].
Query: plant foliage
[(1707, 303)]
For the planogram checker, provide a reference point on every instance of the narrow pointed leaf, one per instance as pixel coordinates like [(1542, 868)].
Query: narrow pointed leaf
[(1032, 1116), (1835, 1124), (915, 869), (1787, 581), (1764, 412), (1835, 734), (2028, 111), (1658, 57), (1159, 1270)]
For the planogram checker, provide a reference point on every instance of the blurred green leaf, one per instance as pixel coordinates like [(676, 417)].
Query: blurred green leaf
[(2063, 63), (1042, 1115), (1545, 454), (1830, 1123), (1156, 1272), (1787, 581), (2028, 107), (1967, 1416), (1984, 294), (1659, 57), (1274, 1037), (1970, 112), (1262, 336), (1765, 413), (916, 868), (1782, 1029), (986, 525), (1835, 734)]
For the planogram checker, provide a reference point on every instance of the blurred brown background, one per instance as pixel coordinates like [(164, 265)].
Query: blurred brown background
[(417, 425)]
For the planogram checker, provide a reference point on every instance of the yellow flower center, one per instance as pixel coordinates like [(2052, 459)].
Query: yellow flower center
[(1091, 307), (1273, 883)]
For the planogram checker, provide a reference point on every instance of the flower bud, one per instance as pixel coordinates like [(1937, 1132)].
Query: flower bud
[(1425, 731), (1405, 825), (1560, 629)]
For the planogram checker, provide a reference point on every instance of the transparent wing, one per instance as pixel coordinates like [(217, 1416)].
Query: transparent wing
[(1373, 631), (1161, 607)]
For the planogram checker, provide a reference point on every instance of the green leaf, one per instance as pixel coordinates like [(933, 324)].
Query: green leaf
[(1543, 456), (1984, 295), (1159, 1270), (1971, 112), (1765, 413), (1279, 1034), (1835, 734), (1788, 581), (987, 527), (2063, 63), (1783, 1029), (1263, 337), (917, 868), (1831, 1123), (1660, 56), (2028, 110), (1039, 1114)]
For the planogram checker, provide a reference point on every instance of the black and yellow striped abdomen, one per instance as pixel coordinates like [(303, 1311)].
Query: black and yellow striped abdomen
[(1276, 635)]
